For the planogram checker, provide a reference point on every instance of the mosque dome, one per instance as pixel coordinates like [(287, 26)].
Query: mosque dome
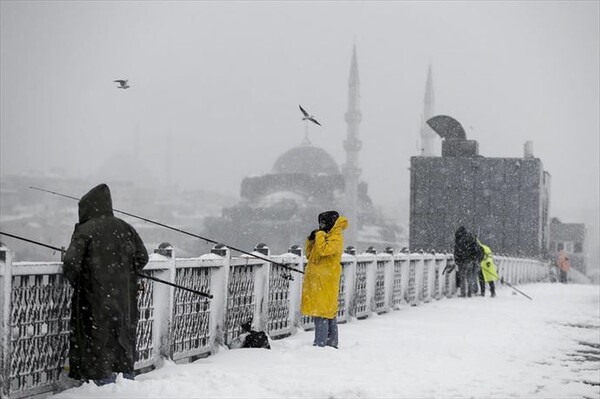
[(306, 159)]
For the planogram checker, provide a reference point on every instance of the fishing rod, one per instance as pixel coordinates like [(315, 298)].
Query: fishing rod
[(62, 251), (178, 230)]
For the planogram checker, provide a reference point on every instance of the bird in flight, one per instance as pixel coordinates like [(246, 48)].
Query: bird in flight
[(123, 84), (307, 116)]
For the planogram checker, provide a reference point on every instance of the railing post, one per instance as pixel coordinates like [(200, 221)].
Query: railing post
[(404, 259), (347, 276), (371, 279), (219, 285), (162, 300), (362, 291), (349, 270), (428, 276), (296, 289), (450, 277), (261, 288), (5, 354), (389, 279), (440, 265), (417, 266)]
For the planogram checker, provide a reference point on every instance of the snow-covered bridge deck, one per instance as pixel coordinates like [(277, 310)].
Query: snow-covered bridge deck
[(503, 347)]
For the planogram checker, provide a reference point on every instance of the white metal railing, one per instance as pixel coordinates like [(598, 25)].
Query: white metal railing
[(179, 325)]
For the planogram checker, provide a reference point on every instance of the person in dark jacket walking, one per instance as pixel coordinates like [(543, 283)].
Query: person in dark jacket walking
[(466, 252), (101, 264)]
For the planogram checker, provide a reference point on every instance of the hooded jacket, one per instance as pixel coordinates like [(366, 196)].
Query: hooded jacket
[(488, 267), (466, 248), (104, 254), (321, 284)]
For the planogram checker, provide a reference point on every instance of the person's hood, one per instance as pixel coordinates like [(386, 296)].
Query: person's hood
[(96, 203), (460, 232), (341, 223), (328, 218)]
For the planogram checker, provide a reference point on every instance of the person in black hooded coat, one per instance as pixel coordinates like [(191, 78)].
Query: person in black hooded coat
[(100, 264)]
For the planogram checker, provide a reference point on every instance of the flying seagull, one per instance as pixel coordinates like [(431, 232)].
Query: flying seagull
[(307, 116), (123, 84)]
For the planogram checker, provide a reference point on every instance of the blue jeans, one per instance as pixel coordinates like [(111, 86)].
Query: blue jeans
[(326, 332)]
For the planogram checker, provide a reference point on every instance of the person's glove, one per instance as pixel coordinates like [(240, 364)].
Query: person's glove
[(311, 236)]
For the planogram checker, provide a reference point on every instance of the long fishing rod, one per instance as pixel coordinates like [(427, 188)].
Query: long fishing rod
[(178, 230), (143, 275)]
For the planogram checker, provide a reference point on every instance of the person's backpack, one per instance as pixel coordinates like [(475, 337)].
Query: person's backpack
[(256, 339), (250, 338)]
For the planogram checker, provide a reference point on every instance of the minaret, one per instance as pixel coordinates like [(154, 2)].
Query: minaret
[(352, 146), (427, 134)]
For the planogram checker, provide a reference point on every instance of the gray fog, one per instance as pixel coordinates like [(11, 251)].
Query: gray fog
[(215, 87)]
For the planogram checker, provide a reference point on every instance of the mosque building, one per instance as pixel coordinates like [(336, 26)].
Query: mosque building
[(280, 208)]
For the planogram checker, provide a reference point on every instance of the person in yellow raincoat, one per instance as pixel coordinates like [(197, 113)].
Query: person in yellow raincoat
[(488, 270), (320, 289)]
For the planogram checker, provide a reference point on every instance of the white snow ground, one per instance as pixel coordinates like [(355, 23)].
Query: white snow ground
[(503, 347)]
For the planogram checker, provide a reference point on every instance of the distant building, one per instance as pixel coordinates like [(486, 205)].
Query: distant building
[(50, 219), (503, 200), (571, 238)]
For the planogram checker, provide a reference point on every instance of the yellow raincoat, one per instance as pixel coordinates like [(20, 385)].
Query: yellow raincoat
[(487, 265), (322, 279)]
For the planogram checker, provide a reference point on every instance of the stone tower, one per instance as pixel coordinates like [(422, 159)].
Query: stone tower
[(352, 146), (428, 136)]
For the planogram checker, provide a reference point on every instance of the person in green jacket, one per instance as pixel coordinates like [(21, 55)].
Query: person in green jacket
[(321, 285), (488, 270)]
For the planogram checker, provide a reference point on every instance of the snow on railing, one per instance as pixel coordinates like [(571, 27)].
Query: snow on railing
[(179, 325)]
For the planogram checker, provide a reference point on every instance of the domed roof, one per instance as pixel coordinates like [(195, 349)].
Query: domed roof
[(306, 159)]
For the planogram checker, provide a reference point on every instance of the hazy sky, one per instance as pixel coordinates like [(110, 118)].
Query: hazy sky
[(220, 83)]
